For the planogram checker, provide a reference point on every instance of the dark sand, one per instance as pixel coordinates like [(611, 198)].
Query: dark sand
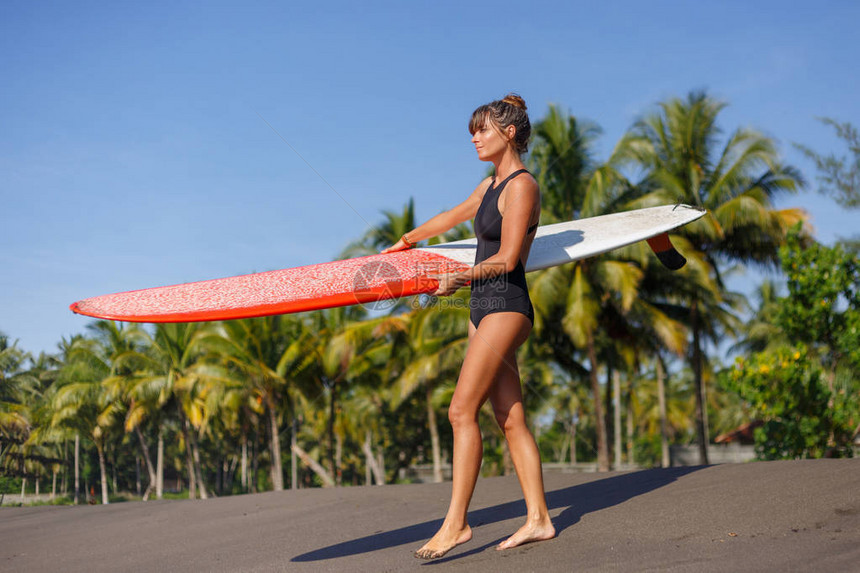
[(776, 516)]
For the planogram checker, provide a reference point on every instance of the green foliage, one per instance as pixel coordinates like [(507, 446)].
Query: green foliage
[(647, 450), (839, 176), (59, 500), (787, 391), (10, 484), (823, 306), (807, 391)]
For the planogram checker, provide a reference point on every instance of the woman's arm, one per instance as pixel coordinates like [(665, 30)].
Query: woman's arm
[(445, 220)]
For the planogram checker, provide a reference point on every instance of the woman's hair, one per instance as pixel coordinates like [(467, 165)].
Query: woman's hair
[(511, 110)]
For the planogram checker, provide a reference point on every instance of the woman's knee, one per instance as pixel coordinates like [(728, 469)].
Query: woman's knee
[(460, 414), (511, 420)]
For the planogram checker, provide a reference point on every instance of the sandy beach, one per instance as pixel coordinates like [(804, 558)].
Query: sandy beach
[(765, 516)]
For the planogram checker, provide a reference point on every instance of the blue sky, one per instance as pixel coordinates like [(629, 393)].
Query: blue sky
[(135, 147)]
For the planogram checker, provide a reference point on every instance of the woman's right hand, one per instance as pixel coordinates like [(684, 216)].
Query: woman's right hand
[(400, 245)]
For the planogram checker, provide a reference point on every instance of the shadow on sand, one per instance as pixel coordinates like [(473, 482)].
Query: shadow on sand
[(576, 500)]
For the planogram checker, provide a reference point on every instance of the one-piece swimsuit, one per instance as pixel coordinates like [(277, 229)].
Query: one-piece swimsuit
[(508, 292)]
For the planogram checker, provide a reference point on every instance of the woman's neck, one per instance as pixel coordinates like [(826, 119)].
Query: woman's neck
[(507, 164)]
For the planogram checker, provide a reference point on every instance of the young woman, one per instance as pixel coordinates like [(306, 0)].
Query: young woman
[(506, 209)]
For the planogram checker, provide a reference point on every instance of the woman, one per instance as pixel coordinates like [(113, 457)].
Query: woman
[(506, 209)]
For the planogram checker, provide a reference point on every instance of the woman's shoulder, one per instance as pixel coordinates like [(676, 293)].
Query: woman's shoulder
[(523, 183), (486, 182), (483, 186), (520, 187)]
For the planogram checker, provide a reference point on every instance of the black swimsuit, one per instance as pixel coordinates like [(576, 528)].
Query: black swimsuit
[(507, 292)]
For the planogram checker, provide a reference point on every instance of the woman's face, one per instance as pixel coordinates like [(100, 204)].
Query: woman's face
[(490, 142)]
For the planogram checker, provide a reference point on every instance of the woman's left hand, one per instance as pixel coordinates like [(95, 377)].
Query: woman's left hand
[(449, 283)]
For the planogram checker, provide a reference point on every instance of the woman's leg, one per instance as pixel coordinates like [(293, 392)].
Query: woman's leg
[(507, 399), (488, 354)]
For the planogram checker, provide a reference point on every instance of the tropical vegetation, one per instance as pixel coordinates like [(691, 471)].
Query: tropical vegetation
[(626, 359)]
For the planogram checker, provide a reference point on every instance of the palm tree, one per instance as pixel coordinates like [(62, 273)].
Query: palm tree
[(363, 421), (84, 404), (667, 412), (562, 161), (266, 355), (178, 377), (393, 226), (26, 448), (555, 399), (349, 351), (48, 442), (65, 432), (671, 291), (600, 300), (17, 388), (142, 394), (123, 348), (677, 146), (383, 234), (566, 302), (762, 333)]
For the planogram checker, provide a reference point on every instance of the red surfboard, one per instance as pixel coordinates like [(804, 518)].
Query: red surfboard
[(313, 287), (380, 277)]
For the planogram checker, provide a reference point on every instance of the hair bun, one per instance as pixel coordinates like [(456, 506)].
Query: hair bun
[(515, 100)]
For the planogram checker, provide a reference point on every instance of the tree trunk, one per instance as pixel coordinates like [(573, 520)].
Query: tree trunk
[(64, 488), (294, 462), (338, 458), (244, 463), (573, 423), (831, 378), (54, 484), (372, 464), (159, 470), (277, 468), (23, 489), (103, 470), (629, 423), (616, 416), (602, 445), (189, 461), (254, 461), (380, 467), (433, 426), (231, 474), (609, 413), (368, 458), (138, 487), (148, 460), (697, 376), (330, 429), (706, 425), (195, 451), (77, 467), (664, 426), (315, 467)]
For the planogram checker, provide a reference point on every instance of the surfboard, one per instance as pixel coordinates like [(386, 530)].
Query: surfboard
[(382, 276)]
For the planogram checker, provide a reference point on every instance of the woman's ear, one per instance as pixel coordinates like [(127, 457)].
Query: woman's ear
[(511, 132)]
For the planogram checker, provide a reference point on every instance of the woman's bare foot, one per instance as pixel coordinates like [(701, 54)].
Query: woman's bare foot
[(531, 531), (444, 541)]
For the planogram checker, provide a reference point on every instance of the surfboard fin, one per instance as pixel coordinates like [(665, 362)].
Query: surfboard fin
[(666, 252)]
